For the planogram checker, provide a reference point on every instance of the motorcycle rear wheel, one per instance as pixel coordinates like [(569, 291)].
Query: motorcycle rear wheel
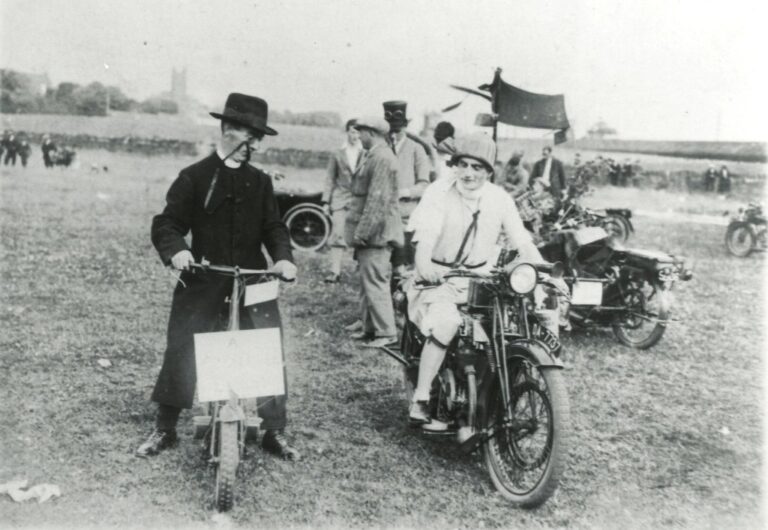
[(226, 470), (526, 458), (617, 228), (740, 239), (645, 321)]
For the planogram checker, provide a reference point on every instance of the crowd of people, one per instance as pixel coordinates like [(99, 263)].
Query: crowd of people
[(15, 146)]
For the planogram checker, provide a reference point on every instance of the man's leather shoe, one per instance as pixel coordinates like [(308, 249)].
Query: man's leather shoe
[(362, 335), (379, 342), (274, 442), (418, 414), (158, 441), (357, 325)]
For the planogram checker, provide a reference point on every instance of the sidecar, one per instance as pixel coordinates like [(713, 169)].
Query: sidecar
[(308, 225)]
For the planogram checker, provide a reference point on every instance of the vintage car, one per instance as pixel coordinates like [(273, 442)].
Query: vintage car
[(308, 225)]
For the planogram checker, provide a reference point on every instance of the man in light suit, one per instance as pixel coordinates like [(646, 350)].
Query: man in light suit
[(548, 173), (342, 166)]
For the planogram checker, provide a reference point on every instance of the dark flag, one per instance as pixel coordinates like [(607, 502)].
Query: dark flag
[(521, 108)]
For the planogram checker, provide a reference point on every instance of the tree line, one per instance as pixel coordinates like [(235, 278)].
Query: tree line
[(22, 93)]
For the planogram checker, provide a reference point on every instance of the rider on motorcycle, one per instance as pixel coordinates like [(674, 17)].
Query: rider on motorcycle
[(463, 217)]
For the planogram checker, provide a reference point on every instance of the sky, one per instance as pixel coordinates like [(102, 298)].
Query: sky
[(652, 69)]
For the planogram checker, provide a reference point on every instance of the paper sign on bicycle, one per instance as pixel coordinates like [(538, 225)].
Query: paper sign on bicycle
[(258, 293), (248, 362)]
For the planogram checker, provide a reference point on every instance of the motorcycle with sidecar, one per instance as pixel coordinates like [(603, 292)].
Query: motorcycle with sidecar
[(629, 290)]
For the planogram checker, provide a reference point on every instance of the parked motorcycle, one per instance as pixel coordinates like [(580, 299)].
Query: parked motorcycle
[(746, 232), (501, 385), (615, 221), (629, 290)]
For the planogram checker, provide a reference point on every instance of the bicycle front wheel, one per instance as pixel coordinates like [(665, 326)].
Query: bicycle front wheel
[(226, 471)]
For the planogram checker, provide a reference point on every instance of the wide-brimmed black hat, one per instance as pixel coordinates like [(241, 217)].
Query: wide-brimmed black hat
[(394, 113), (246, 110)]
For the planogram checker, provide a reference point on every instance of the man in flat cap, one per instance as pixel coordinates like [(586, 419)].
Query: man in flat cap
[(414, 168), (230, 209), (373, 229), (466, 215)]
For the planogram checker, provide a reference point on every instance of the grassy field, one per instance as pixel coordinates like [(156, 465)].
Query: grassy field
[(665, 438)]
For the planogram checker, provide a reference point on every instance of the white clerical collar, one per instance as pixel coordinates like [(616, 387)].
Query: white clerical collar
[(228, 162)]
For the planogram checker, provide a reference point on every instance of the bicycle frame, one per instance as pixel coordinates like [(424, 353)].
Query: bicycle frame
[(231, 410)]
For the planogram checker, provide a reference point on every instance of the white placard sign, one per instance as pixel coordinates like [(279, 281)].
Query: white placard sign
[(586, 292), (261, 292), (248, 362)]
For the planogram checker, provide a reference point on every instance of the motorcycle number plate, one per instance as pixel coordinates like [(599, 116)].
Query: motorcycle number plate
[(546, 336), (585, 292)]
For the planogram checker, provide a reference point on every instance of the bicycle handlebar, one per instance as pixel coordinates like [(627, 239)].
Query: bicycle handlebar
[(229, 270)]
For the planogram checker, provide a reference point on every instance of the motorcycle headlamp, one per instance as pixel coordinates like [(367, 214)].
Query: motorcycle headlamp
[(522, 279)]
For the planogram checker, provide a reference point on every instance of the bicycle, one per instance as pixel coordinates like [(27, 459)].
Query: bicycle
[(226, 427)]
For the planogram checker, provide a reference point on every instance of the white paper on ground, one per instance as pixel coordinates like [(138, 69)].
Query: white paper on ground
[(247, 362), (261, 292), (586, 292)]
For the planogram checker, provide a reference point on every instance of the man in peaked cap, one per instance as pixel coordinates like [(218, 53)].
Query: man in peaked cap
[(466, 215), (230, 209), (414, 168), (373, 229)]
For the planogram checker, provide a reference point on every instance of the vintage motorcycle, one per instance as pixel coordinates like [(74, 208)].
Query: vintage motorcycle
[(746, 232), (615, 221), (501, 385), (629, 290)]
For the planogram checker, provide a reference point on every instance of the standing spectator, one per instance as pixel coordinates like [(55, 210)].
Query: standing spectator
[(49, 149), (549, 174), (710, 177), (413, 176), (373, 228), (11, 148), (24, 150), (614, 171), (343, 165), (627, 172), (724, 180), (442, 150), (515, 177)]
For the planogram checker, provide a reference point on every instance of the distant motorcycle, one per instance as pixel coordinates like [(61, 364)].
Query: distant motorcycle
[(746, 232), (629, 290), (501, 387)]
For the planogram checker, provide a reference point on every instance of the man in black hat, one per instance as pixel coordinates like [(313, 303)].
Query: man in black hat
[(413, 174), (230, 209)]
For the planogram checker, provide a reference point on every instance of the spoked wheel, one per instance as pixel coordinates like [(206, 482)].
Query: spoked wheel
[(308, 227), (617, 228), (645, 319), (525, 453), (740, 239), (226, 471)]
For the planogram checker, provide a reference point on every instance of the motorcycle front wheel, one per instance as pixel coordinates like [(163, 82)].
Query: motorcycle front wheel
[(644, 322), (226, 470), (740, 239), (526, 450)]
